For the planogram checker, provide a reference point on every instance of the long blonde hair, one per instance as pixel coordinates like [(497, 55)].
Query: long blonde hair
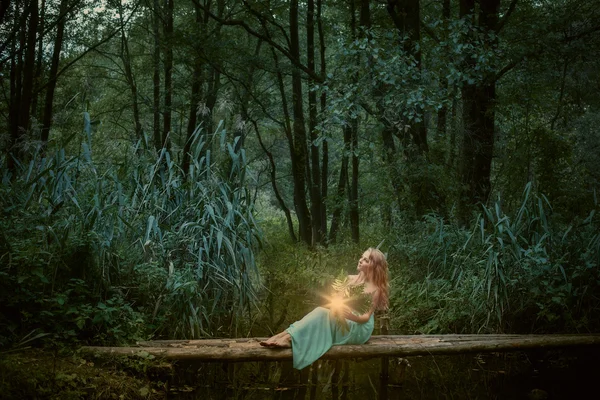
[(378, 275)]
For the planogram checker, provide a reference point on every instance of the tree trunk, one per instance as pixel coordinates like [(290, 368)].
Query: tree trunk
[(156, 77), (213, 77), (39, 62), (350, 130), (354, 213), (478, 119), (300, 146), (316, 200), (390, 155), (126, 58), (16, 82), (28, 70), (325, 154), (52, 78), (341, 187), (241, 128), (194, 97), (168, 65), (442, 116), (13, 113), (273, 174), (406, 16), (364, 24), (287, 126), (3, 8), (249, 349)]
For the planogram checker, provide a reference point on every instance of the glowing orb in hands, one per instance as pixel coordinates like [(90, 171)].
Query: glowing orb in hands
[(336, 303)]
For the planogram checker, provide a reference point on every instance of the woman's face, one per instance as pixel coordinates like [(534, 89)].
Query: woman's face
[(364, 263)]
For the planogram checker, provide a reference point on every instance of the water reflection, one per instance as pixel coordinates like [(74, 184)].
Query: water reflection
[(536, 375)]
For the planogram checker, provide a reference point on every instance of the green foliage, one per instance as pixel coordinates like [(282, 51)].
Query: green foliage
[(347, 295), (516, 271), (296, 279), (110, 253), (58, 375)]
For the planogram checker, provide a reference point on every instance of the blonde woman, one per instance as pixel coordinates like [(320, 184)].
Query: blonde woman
[(314, 334)]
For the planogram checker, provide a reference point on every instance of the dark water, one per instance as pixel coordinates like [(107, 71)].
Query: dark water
[(555, 374)]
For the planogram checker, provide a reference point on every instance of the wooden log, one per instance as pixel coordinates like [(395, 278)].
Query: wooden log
[(236, 350), (314, 380), (384, 374), (335, 381)]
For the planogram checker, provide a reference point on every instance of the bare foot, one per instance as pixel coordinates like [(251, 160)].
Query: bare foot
[(272, 341), (284, 341)]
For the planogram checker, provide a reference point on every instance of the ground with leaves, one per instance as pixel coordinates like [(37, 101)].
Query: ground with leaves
[(43, 374)]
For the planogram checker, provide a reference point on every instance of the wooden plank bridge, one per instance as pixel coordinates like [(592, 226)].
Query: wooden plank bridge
[(385, 347), (249, 349)]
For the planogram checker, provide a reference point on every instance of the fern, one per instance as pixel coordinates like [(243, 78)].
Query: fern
[(347, 295)]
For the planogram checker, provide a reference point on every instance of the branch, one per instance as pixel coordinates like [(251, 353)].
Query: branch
[(262, 18), (507, 68), (94, 47), (510, 10), (392, 12), (582, 33), (285, 52), (430, 32)]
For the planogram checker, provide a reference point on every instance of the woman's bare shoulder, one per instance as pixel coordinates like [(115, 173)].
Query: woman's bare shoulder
[(353, 279)]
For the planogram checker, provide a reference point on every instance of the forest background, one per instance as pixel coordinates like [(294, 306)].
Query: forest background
[(196, 168)]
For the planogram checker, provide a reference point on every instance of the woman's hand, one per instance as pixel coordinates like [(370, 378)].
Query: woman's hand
[(360, 319)]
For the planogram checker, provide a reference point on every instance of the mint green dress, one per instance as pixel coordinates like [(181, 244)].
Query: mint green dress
[(314, 334)]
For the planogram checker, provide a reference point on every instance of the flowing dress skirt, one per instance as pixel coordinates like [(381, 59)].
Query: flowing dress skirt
[(314, 334)]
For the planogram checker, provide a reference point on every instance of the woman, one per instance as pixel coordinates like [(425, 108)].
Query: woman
[(314, 334)]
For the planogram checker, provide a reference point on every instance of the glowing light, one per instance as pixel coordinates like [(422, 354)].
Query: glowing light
[(336, 302)]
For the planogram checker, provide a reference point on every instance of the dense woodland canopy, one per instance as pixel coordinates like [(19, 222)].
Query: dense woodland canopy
[(176, 168)]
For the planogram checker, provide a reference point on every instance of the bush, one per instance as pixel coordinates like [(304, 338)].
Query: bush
[(517, 272)]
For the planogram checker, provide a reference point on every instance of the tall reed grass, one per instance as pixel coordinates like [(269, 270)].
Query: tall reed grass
[(178, 249), (518, 271)]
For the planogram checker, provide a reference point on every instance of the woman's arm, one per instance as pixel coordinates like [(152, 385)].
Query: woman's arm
[(363, 318)]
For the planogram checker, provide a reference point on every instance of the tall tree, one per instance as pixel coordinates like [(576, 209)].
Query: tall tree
[(52, 78), (478, 99), (323, 104), (168, 70), (348, 184), (316, 199), (158, 144), (442, 115), (196, 87), (406, 15), (299, 151), (129, 77), (21, 41)]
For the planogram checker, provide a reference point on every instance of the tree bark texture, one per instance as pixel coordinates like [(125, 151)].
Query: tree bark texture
[(299, 150), (316, 199), (341, 187), (168, 69), (195, 94), (52, 78), (478, 117), (39, 63), (129, 77), (442, 116), (21, 74), (156, 76), (273, 175), (406, 16), (323, 103), (28, 70)]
